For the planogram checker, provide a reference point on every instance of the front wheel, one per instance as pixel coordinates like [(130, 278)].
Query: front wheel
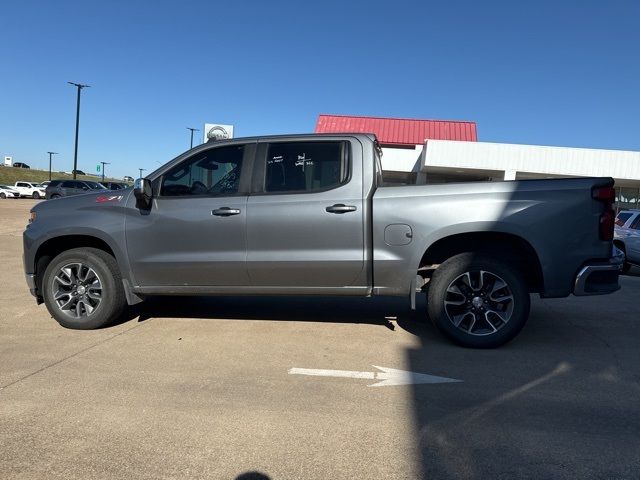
[(35, 195), (478, 300), (82, 289), (2, 195)]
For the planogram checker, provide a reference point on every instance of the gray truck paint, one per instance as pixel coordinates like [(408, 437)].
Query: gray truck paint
[(288, 244)]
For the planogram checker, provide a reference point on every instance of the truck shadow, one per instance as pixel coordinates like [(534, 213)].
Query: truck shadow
[(530, 409), (374, 311)]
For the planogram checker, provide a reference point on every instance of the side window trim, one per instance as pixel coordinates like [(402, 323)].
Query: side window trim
[(260, 170)]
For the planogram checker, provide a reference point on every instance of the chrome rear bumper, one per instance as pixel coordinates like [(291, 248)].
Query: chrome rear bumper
[(600, 278)]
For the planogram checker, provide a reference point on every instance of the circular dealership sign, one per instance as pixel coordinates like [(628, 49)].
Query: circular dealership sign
[(217, 133)]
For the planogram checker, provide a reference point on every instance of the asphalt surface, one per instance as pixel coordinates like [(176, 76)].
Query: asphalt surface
[(199, 388)]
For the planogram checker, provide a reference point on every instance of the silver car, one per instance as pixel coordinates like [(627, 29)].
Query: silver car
[(627, 237)]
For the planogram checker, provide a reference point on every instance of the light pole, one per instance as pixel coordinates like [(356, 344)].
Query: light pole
[(75, 154), (103, 164), (141, 170), (50, 154), (192, 130)]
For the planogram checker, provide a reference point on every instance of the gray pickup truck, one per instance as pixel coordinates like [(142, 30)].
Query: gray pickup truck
[(312, 215)]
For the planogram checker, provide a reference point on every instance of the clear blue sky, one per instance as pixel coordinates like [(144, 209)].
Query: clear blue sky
[(542, 72)]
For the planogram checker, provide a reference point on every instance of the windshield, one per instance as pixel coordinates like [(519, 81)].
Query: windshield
[(94, 185)]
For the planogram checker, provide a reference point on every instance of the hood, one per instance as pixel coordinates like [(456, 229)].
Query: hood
[(85, 200)]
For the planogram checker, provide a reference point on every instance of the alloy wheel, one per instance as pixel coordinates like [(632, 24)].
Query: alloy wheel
[(479, 302), (77, 290)]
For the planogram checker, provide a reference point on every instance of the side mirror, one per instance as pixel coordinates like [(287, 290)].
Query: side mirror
[(143, 193)]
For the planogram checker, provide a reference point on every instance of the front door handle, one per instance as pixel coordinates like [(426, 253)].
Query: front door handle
[(340, 208), (225, 212)]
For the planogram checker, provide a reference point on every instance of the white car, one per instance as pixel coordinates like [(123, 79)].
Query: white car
[(8, 192), (29, 189), (627, 237)]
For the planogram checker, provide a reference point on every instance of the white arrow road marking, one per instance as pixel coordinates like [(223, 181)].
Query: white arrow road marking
[(388, 376)]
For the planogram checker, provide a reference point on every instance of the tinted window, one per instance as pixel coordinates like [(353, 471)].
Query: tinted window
[(210, 172), (636, 223), (54, 183), (20, 184), (305, 166), (94, 185), (622, 218)]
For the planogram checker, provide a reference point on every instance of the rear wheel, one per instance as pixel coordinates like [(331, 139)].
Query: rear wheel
[(35, 195), (82, 289), (2, 195), (478, 300), (55, 195)]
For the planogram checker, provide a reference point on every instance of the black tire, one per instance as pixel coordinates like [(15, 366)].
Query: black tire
[(112, 299), (35, 195), (55, 195), (2, 195), (484, 334), (626, 266)]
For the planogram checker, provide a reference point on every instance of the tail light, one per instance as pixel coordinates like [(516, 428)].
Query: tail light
[(606, 195)]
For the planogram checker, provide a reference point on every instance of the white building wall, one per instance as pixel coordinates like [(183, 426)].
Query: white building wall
[(511, 158), (402, 159)]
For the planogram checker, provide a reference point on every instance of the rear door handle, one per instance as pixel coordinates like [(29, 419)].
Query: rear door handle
[(225, 212), (341, 208)]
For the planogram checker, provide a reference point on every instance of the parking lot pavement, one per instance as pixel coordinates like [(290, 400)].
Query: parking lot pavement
[(200, 388)]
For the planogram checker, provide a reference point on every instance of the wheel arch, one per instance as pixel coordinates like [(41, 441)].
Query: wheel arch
[(507, 245), (52, 247)]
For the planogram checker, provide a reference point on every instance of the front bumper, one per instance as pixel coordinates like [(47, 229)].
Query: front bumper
[(599, 278)]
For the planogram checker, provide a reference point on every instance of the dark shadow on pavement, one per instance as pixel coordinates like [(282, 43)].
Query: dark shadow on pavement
[(374, 311), (253, 476), (559, 401)]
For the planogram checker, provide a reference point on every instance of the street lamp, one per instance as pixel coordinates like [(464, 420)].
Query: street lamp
[(75, 154), (141, 170), (103, 164), (50, 154), (192, 130)]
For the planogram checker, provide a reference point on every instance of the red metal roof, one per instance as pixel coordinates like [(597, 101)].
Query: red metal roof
[(398, 131)]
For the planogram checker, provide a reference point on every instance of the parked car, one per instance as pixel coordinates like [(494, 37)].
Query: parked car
[(45, 183), (127, 178), (21, 165), (66, 188), (114, 185), (8, 192), (309, 214), (627, 237), (78, 172), (29, 189)]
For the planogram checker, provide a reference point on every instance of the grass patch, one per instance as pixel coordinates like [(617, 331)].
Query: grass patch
[(11, 175)]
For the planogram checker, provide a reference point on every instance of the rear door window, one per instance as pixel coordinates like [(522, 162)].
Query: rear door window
[(306, 166), (635, 225)]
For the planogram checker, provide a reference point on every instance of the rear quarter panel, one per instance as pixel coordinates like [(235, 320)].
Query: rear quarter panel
[(558, 218)]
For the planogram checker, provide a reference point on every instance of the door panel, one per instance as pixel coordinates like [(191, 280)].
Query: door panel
[(292, 240), (195, 232), (180, 242)]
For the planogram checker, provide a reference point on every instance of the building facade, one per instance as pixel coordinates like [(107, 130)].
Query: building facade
[(434, 151)]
